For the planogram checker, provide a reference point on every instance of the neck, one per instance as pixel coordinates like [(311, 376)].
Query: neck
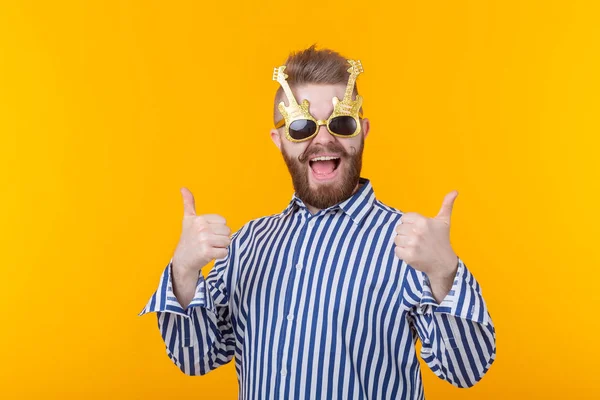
[(314, 210)]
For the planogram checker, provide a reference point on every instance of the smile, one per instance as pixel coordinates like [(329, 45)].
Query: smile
[(324, 167)]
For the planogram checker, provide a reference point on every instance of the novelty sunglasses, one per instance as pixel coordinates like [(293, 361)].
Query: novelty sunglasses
[(300, 125)]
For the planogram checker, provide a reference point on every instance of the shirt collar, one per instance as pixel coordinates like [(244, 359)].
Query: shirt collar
[(355, 206)]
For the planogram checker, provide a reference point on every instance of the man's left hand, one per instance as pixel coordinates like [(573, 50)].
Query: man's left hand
[(424, 243)]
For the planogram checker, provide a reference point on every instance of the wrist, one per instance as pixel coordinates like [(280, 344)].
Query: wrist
[(448, 271), (180, 272)]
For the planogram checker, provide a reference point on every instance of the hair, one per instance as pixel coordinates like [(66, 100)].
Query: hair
[(310, 65)]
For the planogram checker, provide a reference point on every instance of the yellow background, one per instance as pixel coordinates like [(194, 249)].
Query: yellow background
[(107, 108)]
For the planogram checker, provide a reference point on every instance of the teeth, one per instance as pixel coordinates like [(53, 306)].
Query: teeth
[(324, 158)]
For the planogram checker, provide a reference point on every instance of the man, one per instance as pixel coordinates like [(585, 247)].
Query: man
[(326, 299)]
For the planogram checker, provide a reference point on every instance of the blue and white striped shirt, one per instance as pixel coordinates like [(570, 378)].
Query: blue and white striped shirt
[(320, 307)]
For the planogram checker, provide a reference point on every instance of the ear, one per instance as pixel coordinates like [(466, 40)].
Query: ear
[(365, 127), (276, 138)]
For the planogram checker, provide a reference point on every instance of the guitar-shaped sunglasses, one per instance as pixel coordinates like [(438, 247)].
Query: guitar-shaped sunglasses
[(300, 125)]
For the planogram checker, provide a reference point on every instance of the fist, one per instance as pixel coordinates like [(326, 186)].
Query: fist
[(203, 237), (424, 243)]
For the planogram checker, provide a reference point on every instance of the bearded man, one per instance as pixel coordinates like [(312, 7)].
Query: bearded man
[(326, 299)]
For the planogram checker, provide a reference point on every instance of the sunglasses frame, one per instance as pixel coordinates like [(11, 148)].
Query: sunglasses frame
[(318, 123)]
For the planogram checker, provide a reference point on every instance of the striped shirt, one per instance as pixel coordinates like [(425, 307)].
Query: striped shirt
[(320, 307)]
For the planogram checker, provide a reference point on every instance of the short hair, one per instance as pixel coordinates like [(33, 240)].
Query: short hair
[(310, 65)]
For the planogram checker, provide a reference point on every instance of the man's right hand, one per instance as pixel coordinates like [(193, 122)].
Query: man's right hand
[(203, 239)]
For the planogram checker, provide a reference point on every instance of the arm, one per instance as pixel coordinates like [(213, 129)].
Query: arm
[(457, 335), (198, 338)]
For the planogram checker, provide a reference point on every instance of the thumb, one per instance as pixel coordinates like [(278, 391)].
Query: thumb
[(447, 204), (189, 205)]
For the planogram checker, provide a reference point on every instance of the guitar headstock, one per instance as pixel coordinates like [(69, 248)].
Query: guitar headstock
[(279, 75), (355, 67)]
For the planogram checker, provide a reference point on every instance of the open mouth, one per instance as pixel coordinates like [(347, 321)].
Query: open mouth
[(324, 167)]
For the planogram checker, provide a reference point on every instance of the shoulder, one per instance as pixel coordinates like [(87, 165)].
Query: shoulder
[(382, 207), (253, 228)]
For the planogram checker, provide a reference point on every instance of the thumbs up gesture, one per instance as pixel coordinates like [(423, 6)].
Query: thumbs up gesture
[(424, 243), (203, 238)]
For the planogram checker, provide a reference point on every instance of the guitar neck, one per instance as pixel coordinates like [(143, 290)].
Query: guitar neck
[(288, 92), (350, 86)]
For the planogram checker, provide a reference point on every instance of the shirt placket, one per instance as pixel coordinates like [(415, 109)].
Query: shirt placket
[(289, 315)]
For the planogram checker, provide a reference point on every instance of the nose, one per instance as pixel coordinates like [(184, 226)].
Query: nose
[(323, 136)]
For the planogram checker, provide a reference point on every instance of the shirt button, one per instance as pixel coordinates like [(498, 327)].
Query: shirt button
[(290, 317), (283, 372), (298, 266)]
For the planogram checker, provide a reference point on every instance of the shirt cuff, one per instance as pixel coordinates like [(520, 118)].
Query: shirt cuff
[(464, 299), (164, 300)]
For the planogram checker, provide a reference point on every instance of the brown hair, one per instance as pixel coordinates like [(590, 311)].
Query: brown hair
[(310, 65)]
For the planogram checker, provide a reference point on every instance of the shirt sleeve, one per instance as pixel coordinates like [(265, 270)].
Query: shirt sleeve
[(458, 337), (200, 338)]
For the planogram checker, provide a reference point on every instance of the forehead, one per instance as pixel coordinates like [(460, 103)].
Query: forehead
[(319, 96)]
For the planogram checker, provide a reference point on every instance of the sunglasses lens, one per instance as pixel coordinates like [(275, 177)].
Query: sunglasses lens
[(343, 125), (302, 128)]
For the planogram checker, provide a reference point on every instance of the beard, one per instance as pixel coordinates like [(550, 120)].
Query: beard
[(326, 194)]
